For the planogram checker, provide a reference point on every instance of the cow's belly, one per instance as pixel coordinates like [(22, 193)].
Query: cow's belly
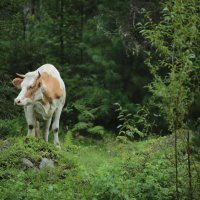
[(43, 111)]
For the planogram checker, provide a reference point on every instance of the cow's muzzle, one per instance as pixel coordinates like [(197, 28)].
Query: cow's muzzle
[(17, 102)]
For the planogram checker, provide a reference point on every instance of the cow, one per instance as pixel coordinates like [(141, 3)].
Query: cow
[(43, 96)]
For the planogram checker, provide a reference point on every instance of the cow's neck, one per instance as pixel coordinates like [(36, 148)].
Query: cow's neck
[(44, 111)]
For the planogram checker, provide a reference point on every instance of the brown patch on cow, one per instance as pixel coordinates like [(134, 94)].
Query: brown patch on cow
[(53, 89), (32, 89), (17, 82), (52, 86)]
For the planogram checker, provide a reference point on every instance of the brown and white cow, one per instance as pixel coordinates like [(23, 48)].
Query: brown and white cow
[(43, 97)]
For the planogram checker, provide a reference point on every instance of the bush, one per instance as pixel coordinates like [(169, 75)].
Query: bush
[(12, 127), (8, 93)]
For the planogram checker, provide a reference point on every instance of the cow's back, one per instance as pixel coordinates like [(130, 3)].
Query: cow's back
[(51, 70), (52, 78)]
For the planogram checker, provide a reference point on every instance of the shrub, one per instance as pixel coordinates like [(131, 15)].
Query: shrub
[(7, 93), (128, 123), (12, 127)]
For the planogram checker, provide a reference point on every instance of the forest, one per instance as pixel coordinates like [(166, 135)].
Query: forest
[(130, 127)]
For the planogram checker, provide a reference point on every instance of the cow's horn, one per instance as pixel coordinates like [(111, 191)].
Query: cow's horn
[(39, 74), (20, 75)]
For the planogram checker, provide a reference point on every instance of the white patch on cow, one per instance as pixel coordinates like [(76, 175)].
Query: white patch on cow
[(28, 81)]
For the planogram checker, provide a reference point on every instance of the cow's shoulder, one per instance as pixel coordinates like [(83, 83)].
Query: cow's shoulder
[(50, 69), (52, 87)]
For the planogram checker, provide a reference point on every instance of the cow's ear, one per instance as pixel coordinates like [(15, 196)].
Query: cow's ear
[(17, 82)]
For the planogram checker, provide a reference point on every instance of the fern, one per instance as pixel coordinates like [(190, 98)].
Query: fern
[(81, 126), (86, 117), (85, 113), (97, 130), (69, 138)]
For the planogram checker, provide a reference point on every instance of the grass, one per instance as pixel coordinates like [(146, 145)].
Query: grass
[(113, 168)]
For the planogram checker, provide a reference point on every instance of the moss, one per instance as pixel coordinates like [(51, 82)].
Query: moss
[(14, 150)]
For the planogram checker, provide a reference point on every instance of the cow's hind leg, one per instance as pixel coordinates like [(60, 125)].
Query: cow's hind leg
[(55, 126), (37, 129), (46, 132)]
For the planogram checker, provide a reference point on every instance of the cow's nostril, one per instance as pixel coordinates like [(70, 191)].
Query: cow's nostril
[(18, 101)]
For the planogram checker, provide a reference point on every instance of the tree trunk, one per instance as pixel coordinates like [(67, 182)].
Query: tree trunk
[(189, 167), (176, 163), (30, 9), (81, 29), (61, 32)]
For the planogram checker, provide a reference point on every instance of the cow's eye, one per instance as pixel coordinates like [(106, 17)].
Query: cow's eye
[(30, 87)]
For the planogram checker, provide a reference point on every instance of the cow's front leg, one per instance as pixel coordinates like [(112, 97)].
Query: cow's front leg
[(55, 126), (31, 121), (46, 132)]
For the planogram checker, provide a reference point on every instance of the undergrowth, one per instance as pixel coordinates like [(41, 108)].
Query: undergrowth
[(101, 170)]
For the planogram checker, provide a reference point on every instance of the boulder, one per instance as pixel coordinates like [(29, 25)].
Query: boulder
[(45, 162), (27, 163)]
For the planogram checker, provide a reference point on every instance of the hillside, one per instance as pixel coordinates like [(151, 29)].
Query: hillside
[(87, 169)]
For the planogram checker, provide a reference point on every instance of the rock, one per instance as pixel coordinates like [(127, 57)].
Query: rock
[(6, 144), (50, 187), (27, 163), (45, 162)]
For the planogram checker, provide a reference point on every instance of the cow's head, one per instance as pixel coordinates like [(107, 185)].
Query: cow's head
[(30, 85)]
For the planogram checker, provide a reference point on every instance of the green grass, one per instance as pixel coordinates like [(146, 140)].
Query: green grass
[(113, 168)]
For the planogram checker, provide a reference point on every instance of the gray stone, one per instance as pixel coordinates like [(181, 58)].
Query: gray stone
[(6, 144), (45, 162), (27, 163)]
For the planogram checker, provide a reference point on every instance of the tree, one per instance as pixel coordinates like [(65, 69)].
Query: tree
[(174, 65)]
